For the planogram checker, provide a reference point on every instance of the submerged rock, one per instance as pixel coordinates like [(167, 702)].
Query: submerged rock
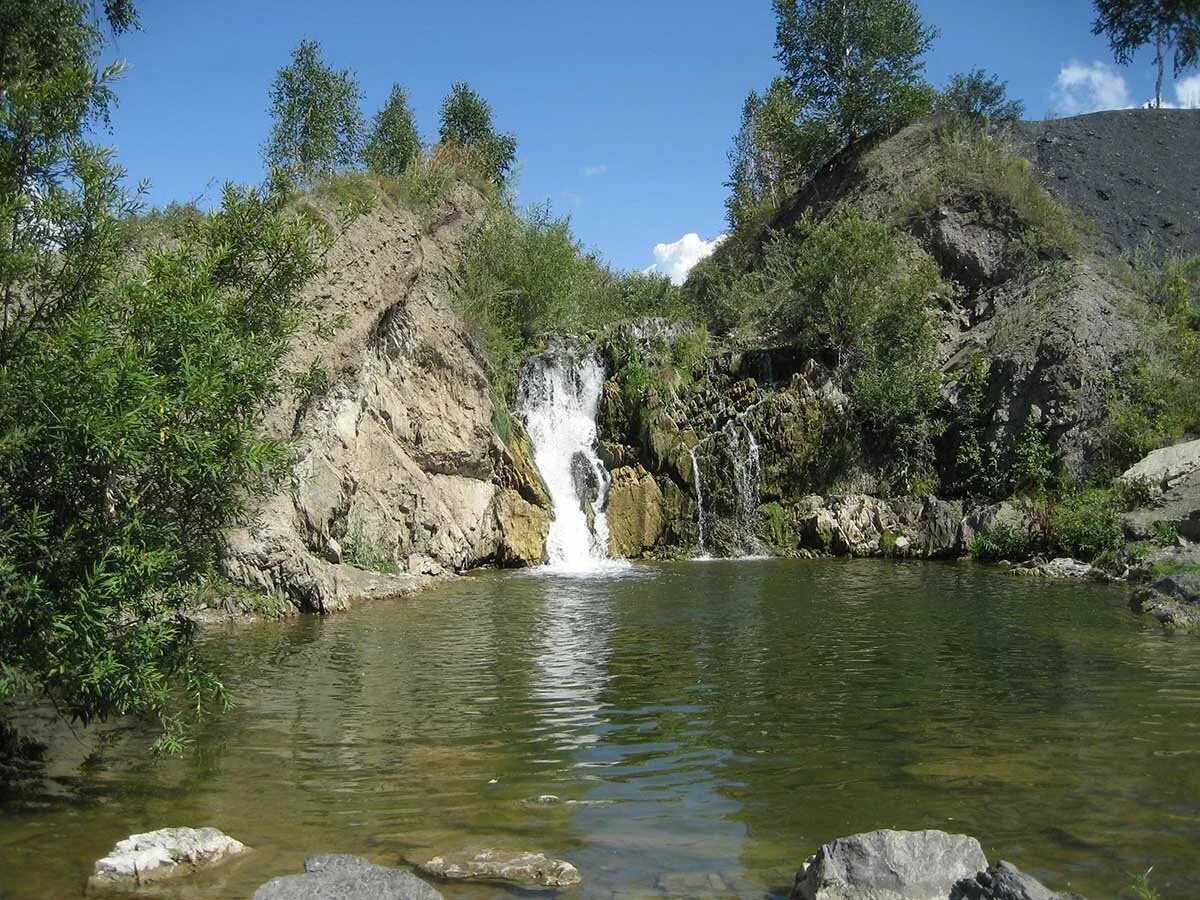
[(914, 865), (890, 865), (525, 869), (154, 855), (343, 877)]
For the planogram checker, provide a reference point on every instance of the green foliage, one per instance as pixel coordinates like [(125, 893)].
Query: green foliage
[(765, 160), (1140, 887), (359, 551), (130, 388), (526, 274), (775, 518), (317, 126), (856, 67), (466, 121), (1002, 542), (839, 289), (392, 144), (1154, 397), (1086, 522), (969, 163), (981, 98)]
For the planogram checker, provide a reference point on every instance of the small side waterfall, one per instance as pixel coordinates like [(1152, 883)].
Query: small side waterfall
[(701, 541), (557, 397)]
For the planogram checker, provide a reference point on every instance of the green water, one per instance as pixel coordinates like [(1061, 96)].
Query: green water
[(708, 724)]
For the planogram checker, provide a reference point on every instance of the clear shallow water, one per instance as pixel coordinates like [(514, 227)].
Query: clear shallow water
[(710, 725)]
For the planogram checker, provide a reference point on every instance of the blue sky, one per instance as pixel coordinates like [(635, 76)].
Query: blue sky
[(623, 111)]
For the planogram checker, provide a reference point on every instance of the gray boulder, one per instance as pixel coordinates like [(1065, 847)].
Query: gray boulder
[(1174, 600), (890, 865), (154, 855), (1165, 466), (343, 877), (525, 869), (1004, 881), (1060, 567)]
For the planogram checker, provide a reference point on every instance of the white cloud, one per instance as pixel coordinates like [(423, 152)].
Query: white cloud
[(593, 171), (1089, 87), (676, 260), (1187, 92)]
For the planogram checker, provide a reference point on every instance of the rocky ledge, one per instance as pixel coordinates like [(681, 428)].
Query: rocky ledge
[(1174, 600), (913, 865)]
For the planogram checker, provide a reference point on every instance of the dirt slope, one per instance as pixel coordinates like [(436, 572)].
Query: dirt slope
[(1135, 173)]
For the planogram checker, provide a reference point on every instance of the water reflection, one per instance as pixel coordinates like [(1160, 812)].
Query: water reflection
[(705, 725)]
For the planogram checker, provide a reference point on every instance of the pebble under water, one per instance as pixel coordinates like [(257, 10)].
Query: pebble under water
[(705, 725)]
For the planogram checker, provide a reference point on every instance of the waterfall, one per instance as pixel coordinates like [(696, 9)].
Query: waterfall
[(699, 504), (557, 397)]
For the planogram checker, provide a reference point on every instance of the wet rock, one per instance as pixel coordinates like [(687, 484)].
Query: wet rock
[(542, 800), (1004, 881), (154, 855), (524, 869), (1174, 600), (343, 877), (1062, 567), (890, 865), (635, 512)]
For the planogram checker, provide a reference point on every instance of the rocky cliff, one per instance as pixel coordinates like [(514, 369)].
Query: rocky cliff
[(400, 473)]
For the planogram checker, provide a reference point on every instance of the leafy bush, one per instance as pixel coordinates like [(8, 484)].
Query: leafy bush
[(981, 98), (1087, 522), (839, 289), (1002, 542)]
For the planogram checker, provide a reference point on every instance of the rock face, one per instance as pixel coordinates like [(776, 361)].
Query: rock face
[(861, 525), (1174, 600), (1178, 507), (913, 865), (635, 512), (340, 877), (143, 858), (890, 865), (400, 472), (526, 869)]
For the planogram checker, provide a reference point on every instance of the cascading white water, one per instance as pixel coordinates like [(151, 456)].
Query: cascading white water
[(557, 400), (703, 548)]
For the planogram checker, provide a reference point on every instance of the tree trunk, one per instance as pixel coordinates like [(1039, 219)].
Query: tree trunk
[(1158, 62)]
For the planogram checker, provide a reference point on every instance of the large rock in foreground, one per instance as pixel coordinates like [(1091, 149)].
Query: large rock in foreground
[(341, 877), (890, 865), (524, 869), (154, 855), (913, 865)]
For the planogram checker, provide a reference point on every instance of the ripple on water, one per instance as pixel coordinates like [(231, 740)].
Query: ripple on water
[(706, 727)]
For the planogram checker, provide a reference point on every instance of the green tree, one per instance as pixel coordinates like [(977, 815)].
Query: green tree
[(980, 97), (762, 161), (130, 387), (393, 142), (1130, 25), (855, 66), (467, 122), (317, 125)]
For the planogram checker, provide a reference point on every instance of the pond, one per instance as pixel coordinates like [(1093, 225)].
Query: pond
[(706, 725)]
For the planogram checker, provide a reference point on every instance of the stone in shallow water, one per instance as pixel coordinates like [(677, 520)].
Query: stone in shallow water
[(890, 865), (154, 855), (1004, 881), (343, 877), (529, 869)]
